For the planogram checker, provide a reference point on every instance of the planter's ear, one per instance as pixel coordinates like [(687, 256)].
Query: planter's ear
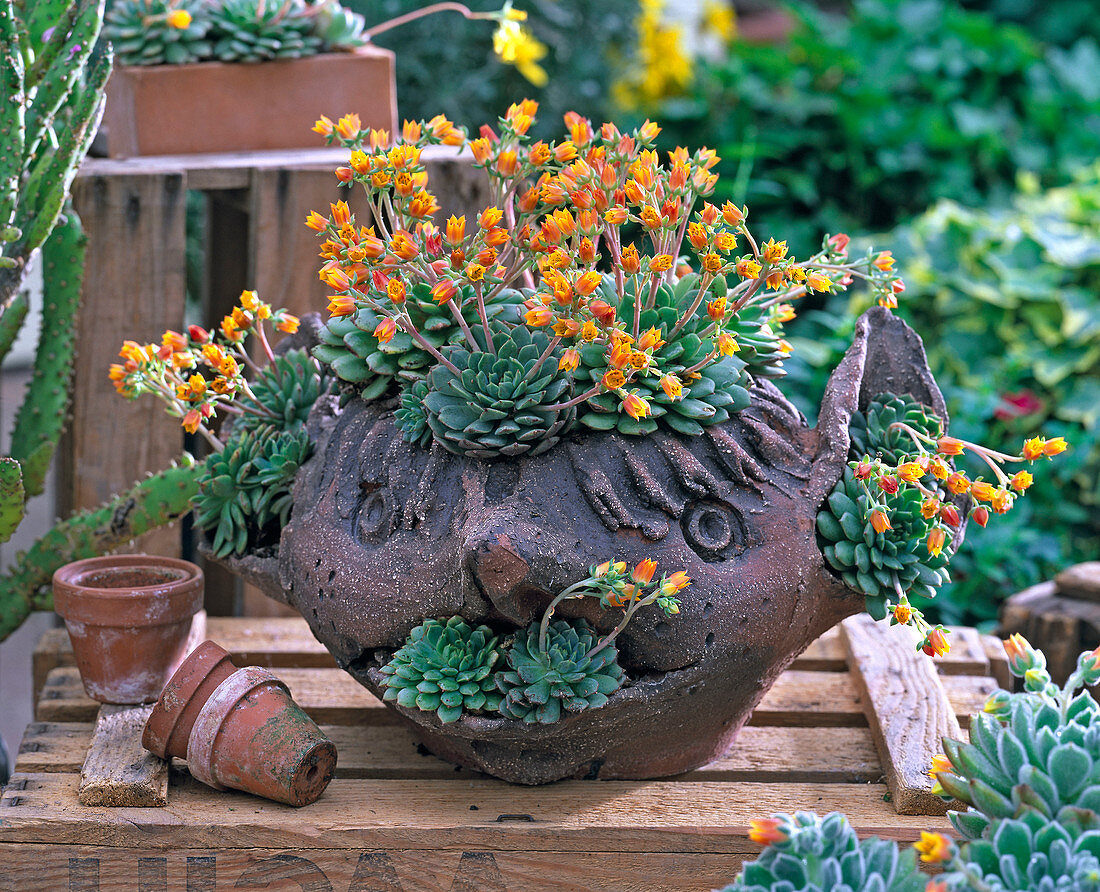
[(886, 355)]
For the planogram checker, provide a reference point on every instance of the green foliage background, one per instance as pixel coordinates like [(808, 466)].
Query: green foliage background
[(446, 64)]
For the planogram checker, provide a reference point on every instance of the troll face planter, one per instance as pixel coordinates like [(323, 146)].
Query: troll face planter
[(385, 535), (532, 403)]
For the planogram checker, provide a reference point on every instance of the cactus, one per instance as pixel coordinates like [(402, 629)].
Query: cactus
[(153, 502), (51, 99), (41, 416)]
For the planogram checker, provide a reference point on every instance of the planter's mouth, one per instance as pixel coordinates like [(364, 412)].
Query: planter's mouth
[(122, 579)]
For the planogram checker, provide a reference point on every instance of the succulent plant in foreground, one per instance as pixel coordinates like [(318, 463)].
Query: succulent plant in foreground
[(503, 403), (411, 416), (445, 668), (812, 854), (244, 497), (357, 356), (158, 32), (719, 389), (283, 392), (883, 561), (260, 30), (1038, 751), (872, 434), (541, 685)]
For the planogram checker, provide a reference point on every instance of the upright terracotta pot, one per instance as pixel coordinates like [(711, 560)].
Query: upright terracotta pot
[(240, 729), (128, 618)]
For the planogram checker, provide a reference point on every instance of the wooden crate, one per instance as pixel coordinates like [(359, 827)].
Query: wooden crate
[(396, 818)]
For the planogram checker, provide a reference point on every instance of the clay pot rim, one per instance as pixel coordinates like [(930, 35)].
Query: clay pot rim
[(73, 575), (163, 603)]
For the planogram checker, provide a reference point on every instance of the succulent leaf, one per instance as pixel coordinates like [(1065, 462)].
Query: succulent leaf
[(140, 33)]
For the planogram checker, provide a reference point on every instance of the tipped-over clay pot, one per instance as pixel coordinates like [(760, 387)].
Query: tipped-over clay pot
[(128, 618), (384, 535), (240, 729)]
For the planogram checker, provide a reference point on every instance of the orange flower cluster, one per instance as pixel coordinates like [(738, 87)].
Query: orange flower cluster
[(582, 226), (929, 472), (197, 371)]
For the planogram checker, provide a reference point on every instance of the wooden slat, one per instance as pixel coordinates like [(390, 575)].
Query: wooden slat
[(133, 288), (569, 816), (907, 709), (118, 772), (797, 699), (998, 661), (316, 869), (233, 170), (793, 755)]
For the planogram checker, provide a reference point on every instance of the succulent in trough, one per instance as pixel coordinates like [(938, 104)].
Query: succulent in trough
[(158, 32), (543, 685), (261, 30), (445, 668), (502, 403)]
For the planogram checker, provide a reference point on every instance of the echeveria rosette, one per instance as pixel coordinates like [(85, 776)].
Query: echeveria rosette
[(719, 390), (355, 355), (445, 668), (244, 496), (338, 27), (251, 31), (286, 388), (500, 404), (878, 564), (1029, 854), (411, 417), (140, 33), (824, 855), (540, 687), (1030, 758), (871, 434)]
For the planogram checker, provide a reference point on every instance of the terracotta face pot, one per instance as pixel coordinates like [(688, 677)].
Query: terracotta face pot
[(384, 535), (240, 729), (128, 618)]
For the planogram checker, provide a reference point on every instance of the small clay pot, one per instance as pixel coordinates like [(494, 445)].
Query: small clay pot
[(240, 729), (128, 618)]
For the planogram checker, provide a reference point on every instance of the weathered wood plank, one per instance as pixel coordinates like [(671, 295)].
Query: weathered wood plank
[(118, 771), (794, 755), (133, 288), (998, 661), (569, 816), (798, 698), (334, 870), (907, 709)]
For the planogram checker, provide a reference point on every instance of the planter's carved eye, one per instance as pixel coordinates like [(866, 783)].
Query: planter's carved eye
[(714, 530), (374, 520)]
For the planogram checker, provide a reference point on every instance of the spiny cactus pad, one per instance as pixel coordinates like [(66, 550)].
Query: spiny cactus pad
[(140, 33), (244, 497), (871, 434), (445, 668), (498, 405), (540, 686), (710, 399), (878, 564), (256, 31), (356, 356), (825, 855), (287, 387)]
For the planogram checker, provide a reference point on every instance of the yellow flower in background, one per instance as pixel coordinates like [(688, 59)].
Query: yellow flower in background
[(180, 19), (662, 67), (517, 46), (720, 20)]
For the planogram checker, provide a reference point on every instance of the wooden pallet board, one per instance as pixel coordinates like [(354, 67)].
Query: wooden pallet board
[(396, 819)]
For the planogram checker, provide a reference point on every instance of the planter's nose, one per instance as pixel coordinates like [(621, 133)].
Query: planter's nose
[(499, 571)]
